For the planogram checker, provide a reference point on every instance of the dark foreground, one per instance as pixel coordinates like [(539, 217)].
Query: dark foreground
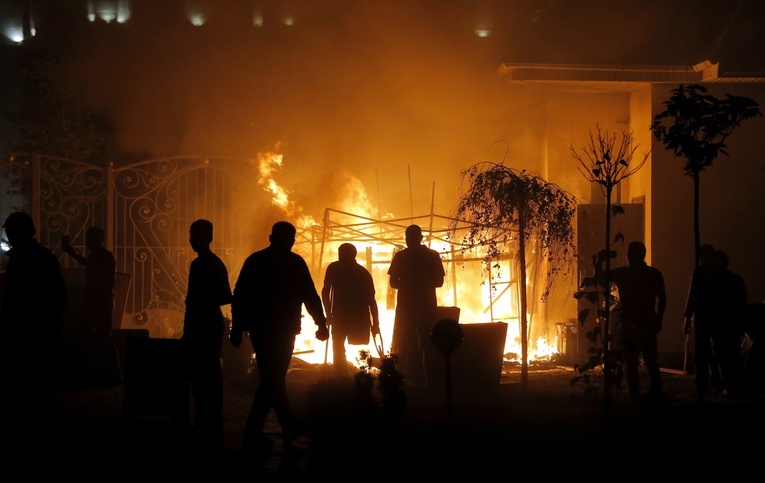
[(550, 431)]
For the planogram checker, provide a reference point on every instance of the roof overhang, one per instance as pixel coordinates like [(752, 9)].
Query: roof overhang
[(617, 78)]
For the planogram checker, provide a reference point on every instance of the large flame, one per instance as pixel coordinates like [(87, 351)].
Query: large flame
[(269, 164), (481, 298)]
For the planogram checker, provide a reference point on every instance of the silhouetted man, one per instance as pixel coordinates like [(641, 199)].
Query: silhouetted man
[(97, 309), (704, 310), (203, 329), (269, 295), (642, 302), (349, 301), (416, 272), (729, 329), (34, 300)]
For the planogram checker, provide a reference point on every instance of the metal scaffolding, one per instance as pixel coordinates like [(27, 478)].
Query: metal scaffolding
[(342, 227)]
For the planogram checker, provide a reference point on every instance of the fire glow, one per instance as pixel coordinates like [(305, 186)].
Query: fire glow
[(467, 284)]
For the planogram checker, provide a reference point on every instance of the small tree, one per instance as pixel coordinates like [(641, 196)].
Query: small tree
[(604, 162), (54, 119), (695, 126), (500, 199)]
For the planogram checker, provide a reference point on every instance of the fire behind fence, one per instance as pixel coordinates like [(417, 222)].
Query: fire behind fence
[(146, 208)]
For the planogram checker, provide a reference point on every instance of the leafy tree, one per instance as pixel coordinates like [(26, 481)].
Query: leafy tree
[(501, 201), (53, 118), (606, 163), (695, 126)]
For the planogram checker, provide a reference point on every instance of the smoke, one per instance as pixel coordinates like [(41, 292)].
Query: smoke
[(402, 95), (357, 88)]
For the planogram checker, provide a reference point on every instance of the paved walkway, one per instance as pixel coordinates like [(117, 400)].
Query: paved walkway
[(548, 431)]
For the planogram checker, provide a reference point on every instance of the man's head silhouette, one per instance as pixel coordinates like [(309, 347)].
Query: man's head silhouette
[(282, 235), (19, 228), (413, 235), (200, 234), (346, 252), (636, 252)]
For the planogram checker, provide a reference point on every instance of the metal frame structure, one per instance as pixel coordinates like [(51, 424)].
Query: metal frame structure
[(341, 227)]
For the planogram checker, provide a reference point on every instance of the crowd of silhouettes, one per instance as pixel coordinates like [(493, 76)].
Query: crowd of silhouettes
[(273, 287)]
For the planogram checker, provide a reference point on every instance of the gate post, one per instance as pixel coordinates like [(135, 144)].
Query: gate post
[(110, 206), (35, 195)]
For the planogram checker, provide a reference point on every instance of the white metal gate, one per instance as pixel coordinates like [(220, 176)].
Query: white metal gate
[(145, 209)]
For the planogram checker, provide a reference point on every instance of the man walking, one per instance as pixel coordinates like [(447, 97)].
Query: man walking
[(268, 297), (203, 329)]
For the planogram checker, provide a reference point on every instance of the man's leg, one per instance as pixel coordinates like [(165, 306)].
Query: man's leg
[(283, 350), (651, 361), (727, 350), (715, 373), (631, 361), (433, 369), (701, 357), (405, 345), (210, 417), (339, 361), (254, 440)]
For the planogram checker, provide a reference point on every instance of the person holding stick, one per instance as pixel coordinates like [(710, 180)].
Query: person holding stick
[(348, 295)]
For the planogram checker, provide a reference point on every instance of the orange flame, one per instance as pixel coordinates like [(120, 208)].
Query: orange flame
[(476, 300), (270, 164)]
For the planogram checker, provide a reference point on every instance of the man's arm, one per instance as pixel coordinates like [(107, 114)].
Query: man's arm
[(438, 270), (326, 292), (688, 313), (375, 315), (223, 294), (395, 280), (439, 280), (661, 295), (67, 247), (239, 304), (317, 314), (312, 301)]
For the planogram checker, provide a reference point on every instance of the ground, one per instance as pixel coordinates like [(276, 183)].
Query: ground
[(551, 429)]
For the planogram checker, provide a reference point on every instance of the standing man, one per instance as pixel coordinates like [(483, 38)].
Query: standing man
[(269, 295), (34, 300), (416, 272), (703, 311), (729, 330), (203, 329), (97, 309), (349, 300), (642, 302)]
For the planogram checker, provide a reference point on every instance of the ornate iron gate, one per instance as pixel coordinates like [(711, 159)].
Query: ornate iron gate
[(63, 196), (146, 209), (153, 204)]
